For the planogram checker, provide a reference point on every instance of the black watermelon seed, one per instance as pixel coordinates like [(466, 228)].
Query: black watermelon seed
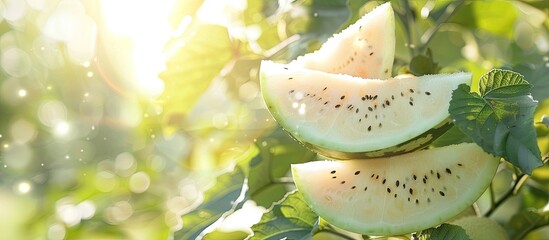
[(388, 190), (387, 102), (375, 106), (441, 193), (411, 191), (393, 97), (377, 176), (411, 103), (353, 187), (428, 200), (292, 91), (395, 195), (427, 93), (366, 188), (337, 106), (356, 110), (357, 172), (360, 120), (372, 175), (386, 70), (459, 164), (324, 88), (397, 183), (369, 128), (334, 177), (342, 97), (401, 94), (372, 53), (448, 171), (383, 105), (342, 182), (415, 177), (417, 201), (404, 185), (370, 109), (325, 103), (285, 68), (408, 199), (363, 98), (432, 190), (411, 90), (365, 115), (432, 172), (379, 125), (290, 78), (411, 99), (384, 180), (438, 175), (425, 181), (375, 97), (332, 172)]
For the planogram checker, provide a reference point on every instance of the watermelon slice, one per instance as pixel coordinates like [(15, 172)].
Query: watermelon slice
[(396, 195)]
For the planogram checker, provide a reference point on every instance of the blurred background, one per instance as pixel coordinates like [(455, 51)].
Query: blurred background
[(116, 115)]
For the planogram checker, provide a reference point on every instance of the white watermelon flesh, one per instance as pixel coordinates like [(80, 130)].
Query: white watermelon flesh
[(348, 114), (364, 49), (396, 195)]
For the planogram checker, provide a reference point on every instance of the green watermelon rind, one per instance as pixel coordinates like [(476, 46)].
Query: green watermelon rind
[(417, 143)]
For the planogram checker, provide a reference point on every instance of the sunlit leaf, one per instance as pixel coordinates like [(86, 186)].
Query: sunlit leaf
[(496, 17), (218, 201), (290, 218), (500, 120), (444, 231), (277, 152), (200, 55), (219, 235)]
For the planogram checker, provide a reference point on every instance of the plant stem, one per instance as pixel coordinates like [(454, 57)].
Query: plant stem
[(430, 33), (511, 192), (408, 21)]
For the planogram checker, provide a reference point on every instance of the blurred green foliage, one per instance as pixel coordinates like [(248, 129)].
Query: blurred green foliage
[(88, 152)]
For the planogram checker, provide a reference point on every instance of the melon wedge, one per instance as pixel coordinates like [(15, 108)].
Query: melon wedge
[(396, 195), (341, 114), (364, 49)]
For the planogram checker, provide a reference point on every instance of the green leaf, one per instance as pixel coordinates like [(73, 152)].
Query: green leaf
[(492, 16), (219, 201), (537, 77), (277, 152), (502, 84), (444, 231), (450, 137), (500, 120), (534, 197), (423, 64), (217, 235), (524, 222), (290, 218), (191, 68)]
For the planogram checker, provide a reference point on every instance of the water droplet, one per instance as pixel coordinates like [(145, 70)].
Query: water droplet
[(22, 93)]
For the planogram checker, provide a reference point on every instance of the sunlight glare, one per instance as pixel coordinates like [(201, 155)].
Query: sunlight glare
[(146, 24)]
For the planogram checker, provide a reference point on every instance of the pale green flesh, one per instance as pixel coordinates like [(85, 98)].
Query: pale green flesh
[(364, 49), (348, 114), (460, 174)]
